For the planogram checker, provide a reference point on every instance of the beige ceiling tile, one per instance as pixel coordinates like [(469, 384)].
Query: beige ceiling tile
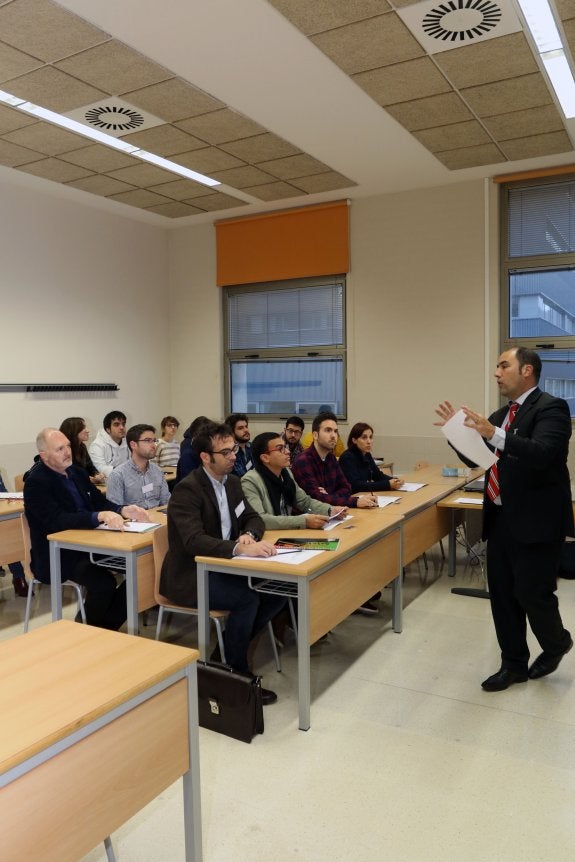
[(483, 62), (55, 169), (13, 155), (403, 82), (433, 111), (293, 166), (45, 30), (174, 210), (99, 158), (522, 124), (98, 185), (11, 119), (54, 90), (239, 178), (206, 160), (274, 191), (173, 100), (320, 15), (114, 67), (180, 190), (323, 182), (218, 127), (142, 198), (142, 175), (14, 63), (219, 201), (537, 145), (566, 8), (471, 157), (163, 140), (501, 97), (453, 137), (369, 44), (260, 148), (46, 138)]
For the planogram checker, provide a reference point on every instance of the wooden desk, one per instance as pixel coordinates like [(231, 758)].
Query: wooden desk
[(93, 726), (452, 504), (11, 543), (134, 548), (329, 587)]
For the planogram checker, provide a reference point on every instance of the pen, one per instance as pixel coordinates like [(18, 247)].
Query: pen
[(289, 551)]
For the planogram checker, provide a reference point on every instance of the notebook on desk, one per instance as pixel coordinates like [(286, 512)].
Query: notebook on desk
[(475, 485)]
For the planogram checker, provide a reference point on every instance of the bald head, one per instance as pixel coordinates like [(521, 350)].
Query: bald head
[(54, 449)]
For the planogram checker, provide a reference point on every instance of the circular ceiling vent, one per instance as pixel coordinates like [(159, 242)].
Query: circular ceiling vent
[(115, 118), (461, 20)]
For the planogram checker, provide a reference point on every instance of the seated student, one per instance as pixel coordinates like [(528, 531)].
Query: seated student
[(292, 436), (109, 447), (138, 481), (307, 439), (239, 422), (357, 463), (271, 490), (208, 514), (74, 427), (189, 459), (168, 449), (18, 577)]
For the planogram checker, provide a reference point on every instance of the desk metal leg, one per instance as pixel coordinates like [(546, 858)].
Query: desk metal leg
[(132, 593), (397, 596), (203, 611), (55, 581), (191, 778), (452, 549), (303, 655)]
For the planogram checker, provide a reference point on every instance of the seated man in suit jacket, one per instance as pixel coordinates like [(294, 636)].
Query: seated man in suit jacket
[(527, 513), (209, 515), (59, 496)]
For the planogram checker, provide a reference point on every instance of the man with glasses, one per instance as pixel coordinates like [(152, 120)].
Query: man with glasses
[(109, 448), (292, 436), (138, 481), (208, 515)]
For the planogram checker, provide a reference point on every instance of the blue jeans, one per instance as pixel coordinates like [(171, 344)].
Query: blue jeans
[(249, 612)]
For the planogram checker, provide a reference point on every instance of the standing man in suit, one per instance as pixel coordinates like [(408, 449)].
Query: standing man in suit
[(209, 515), (527, 513)]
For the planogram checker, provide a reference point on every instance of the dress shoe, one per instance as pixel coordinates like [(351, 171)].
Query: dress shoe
[(503, 679), (268, 696), (545, 663), (20, 587), (367, 609)]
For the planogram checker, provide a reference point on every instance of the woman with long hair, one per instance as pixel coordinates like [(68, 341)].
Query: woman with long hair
[(74, 428), (358, 464)]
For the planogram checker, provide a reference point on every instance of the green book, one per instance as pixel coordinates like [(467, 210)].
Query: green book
[(307, 544)]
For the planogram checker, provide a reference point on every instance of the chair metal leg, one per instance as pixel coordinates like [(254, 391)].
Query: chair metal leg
[(159, 623), (293, 620), (424, 558), (442, 548), (80, 599), (220, 634), (31, 583), (274, 647), (109, 849)]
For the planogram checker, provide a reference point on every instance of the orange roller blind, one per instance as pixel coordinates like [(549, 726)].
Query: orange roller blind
[(288, 244)]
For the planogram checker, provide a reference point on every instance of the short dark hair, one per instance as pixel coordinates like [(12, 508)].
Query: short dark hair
[(295, 420), (233, 419), (261, 443), (323, 417), (109, 418), (171, 420), (529, 357), (357, 430), (204, 439), (136, 431)]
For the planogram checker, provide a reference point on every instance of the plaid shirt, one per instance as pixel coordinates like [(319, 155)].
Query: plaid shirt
[(311, 473)]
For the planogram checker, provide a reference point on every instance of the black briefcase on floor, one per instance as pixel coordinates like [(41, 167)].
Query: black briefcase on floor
[(229, 702)]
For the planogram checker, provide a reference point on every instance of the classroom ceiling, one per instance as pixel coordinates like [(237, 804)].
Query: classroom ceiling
[(284, 102)]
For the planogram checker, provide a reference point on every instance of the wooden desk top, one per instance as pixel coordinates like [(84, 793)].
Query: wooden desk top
[(365, 527), (58, 678), (11, 508), (432, 475), (449, 502), (411, 502), (110, 540)]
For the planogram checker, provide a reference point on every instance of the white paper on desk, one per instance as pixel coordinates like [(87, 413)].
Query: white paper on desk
[(130, 527), (334, 521), (11, 495), (292, 559), (386, 501), (468, 441), (412, 486), (467, 500)]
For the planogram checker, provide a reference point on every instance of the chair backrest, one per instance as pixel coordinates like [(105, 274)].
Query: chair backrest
[(27, 546), (19, 482), (159, 549)]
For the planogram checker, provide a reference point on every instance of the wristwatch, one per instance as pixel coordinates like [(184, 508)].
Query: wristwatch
[(252, 535)]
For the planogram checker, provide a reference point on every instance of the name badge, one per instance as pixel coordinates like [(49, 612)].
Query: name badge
[(147, 489), (240, 508), (249, 465)]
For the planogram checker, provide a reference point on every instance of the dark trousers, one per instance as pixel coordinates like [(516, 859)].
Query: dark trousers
[(522, 582), (249, 612), (105, 603)]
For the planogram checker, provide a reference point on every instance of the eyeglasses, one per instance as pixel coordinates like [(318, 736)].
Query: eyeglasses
[(282, 448), (171, 425), (227, 453), (297, 432), (148, 440)]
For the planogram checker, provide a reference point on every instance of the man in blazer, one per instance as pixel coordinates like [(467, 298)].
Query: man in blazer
[(209, 515), (527, 513), (59, 496)]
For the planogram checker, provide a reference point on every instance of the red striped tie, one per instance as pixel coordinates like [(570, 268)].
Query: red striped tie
[(493, 481)]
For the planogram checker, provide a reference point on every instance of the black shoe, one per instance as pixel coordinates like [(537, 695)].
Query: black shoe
[(503, 679), (376, 597), (268, 696), (367, 609), (545, 664), (20, 587)]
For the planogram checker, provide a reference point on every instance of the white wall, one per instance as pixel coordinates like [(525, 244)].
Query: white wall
[(84, 298)]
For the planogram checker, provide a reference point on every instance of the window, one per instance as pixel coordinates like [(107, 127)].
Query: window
[(285, 347), (538, 277)]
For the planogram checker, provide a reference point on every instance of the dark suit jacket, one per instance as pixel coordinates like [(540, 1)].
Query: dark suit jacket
[(195, 528), (533, 476), (50, 508)]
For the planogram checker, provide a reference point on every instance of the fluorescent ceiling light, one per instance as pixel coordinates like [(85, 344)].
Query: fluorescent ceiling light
[(542, 24), (560, 75), (103, 138)]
